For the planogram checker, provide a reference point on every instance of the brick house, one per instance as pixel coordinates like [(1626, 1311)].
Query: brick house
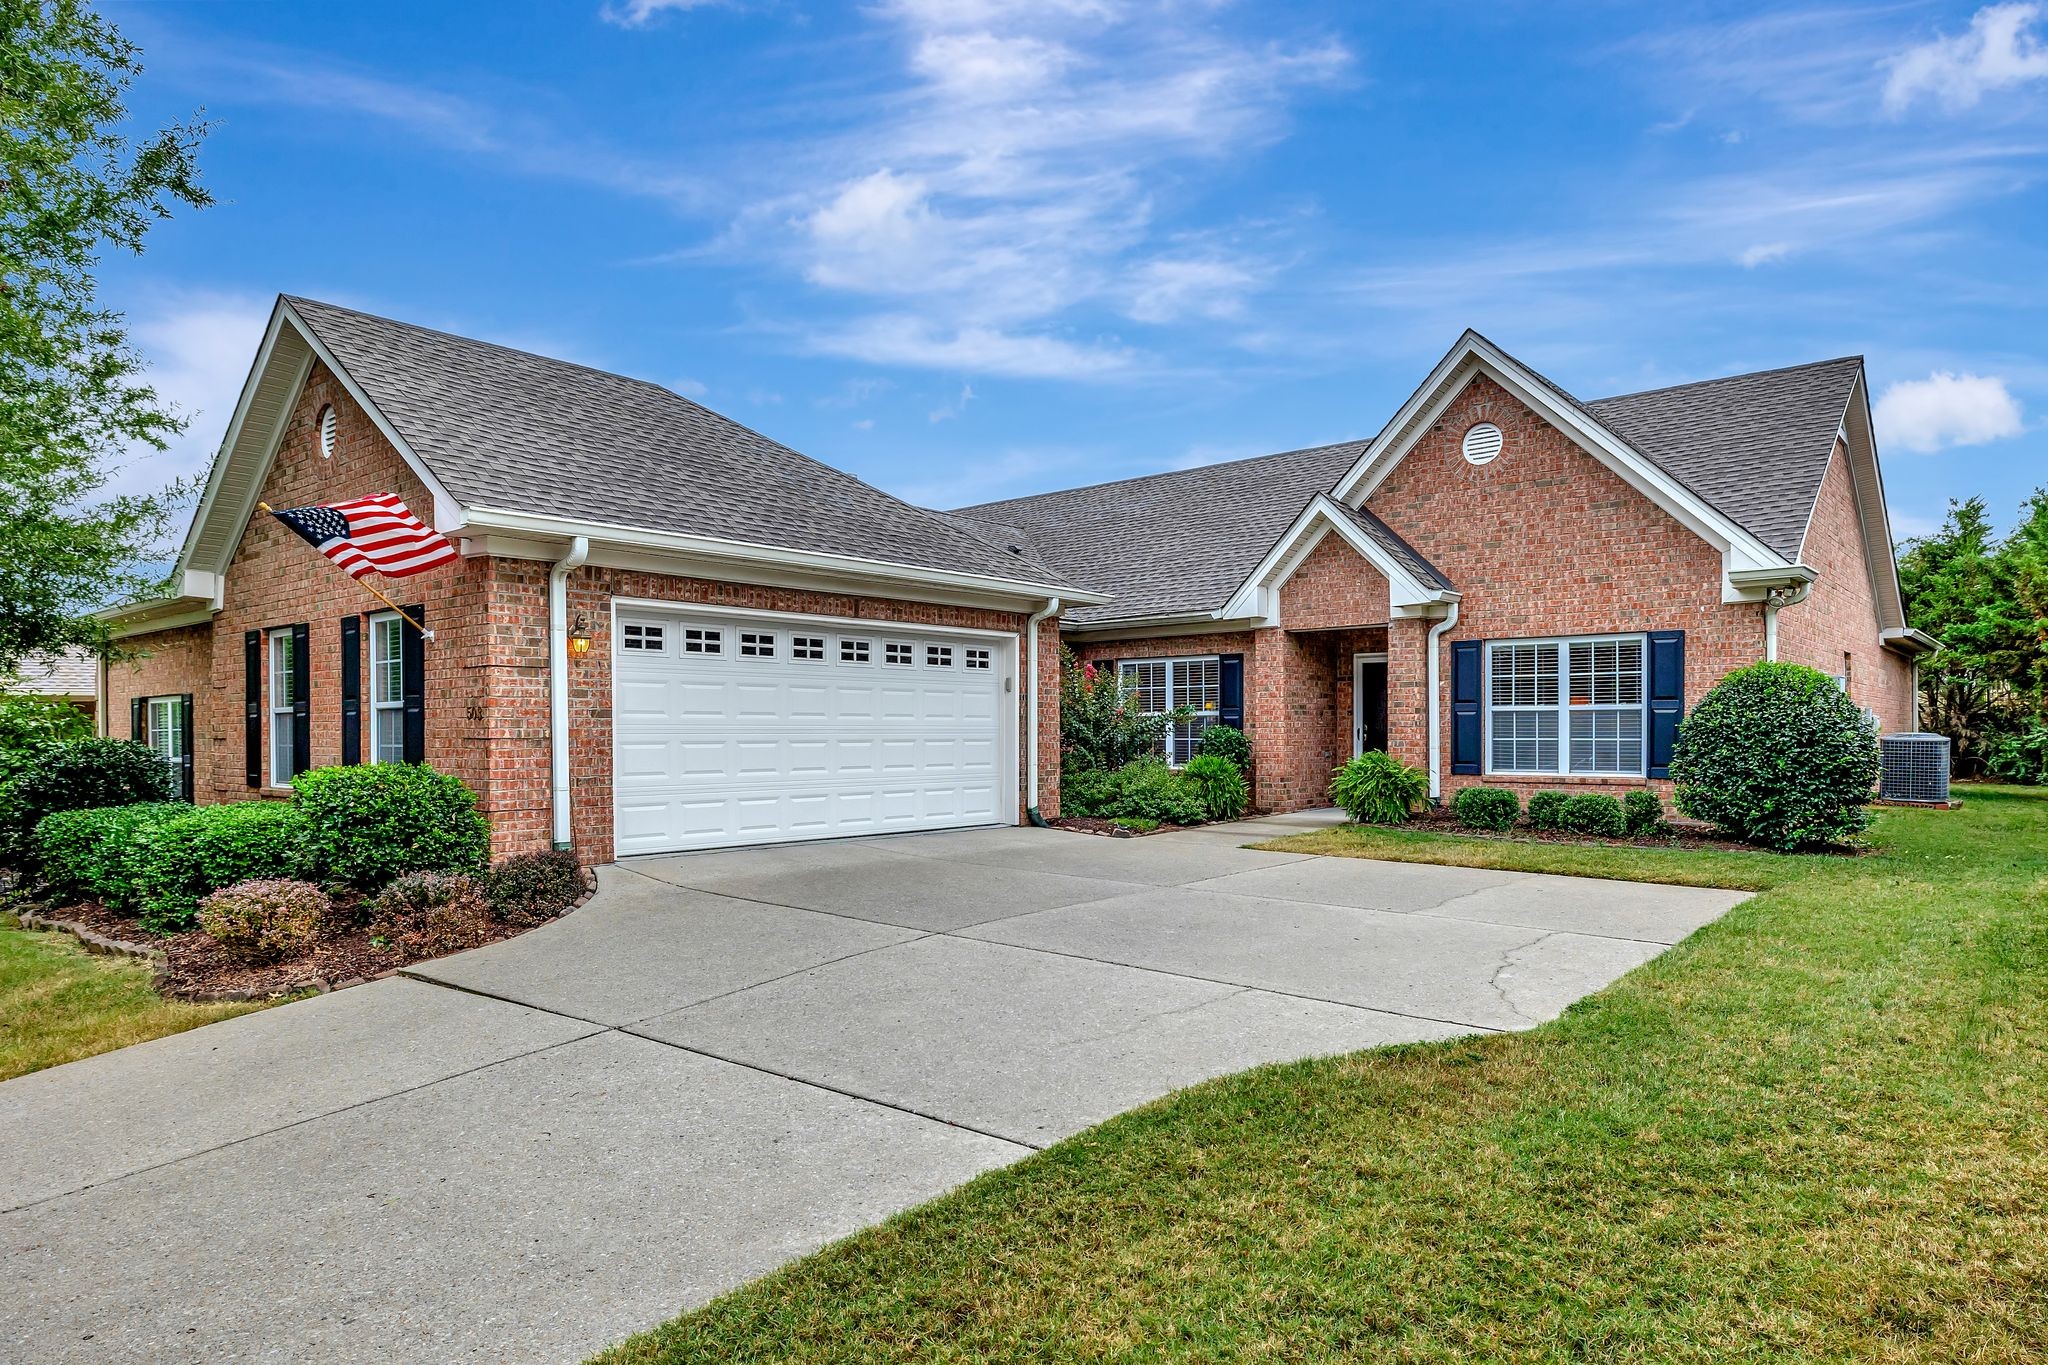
[(666, 631)]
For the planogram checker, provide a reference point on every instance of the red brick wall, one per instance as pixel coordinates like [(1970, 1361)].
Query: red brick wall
[(171, 662), (1333, 587), (1835, 629)]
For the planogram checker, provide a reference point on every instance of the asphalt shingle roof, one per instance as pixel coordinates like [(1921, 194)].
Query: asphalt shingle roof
[(73, 673), (1754, 446), (512, 431)]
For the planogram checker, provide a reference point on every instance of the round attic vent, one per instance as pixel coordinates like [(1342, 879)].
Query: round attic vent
[(1482, 443), (327, 432)]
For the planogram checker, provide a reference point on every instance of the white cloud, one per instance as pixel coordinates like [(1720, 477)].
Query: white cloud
[(900, 339), (1946, 409), (1763, 253), (1997, 52), (981, 67), (947, 412), (864, 424), (691, 388), (198, 346), (641, 13), (1169, 289)]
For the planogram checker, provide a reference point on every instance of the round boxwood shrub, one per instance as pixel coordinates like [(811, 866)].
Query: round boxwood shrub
[(1546, 810), (265, 920), (1218, 784), (425, 914), (79, 775), (1225, 741), (1487, 808), (1595, 814), (1376, 788), (1777, 755), (533, 887), (92, 852), (1149, 790), (1643, 812), (369, 823), (209, 848)]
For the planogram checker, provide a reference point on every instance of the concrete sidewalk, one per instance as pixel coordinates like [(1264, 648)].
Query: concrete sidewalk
[(721, 1062)]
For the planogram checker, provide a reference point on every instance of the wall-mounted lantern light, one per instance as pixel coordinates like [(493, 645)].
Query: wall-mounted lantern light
[(579, 636)]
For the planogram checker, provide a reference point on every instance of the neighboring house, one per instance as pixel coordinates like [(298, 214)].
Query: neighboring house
[(73, 676), (668, 632)]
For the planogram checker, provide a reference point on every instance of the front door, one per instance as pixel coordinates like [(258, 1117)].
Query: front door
[(1368, 702)]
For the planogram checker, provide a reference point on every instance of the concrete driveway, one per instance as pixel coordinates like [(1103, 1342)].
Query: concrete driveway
[(721, 1062)]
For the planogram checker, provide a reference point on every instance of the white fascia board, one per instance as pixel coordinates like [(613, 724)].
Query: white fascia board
[(708, 554), (144, 618), (1406, 594), (1906, 640), (1146, 627), (217, 471), (1474, 354), (447, 511)]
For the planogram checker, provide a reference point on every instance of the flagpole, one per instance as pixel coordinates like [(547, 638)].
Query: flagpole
[(424, 632)]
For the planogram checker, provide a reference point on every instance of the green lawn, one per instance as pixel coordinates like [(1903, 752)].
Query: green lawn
[(1817, 1130), (59, 1003)]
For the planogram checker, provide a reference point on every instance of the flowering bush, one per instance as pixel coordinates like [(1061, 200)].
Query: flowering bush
[(265, 920), (1101, 726)]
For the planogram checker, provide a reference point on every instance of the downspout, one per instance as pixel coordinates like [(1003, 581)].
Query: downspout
[(1773, 600), (558, 682), (1431, 672), (1052, 604)]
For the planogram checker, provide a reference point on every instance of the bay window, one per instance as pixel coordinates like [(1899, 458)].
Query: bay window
[(1566, 706), (1162, 685)]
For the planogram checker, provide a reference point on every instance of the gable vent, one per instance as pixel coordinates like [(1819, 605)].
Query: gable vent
[(1482, 443), (327, 432)]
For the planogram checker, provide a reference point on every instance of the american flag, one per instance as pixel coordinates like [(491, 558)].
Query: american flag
[(376, 532)]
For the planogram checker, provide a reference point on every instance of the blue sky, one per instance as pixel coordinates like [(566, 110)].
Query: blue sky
[(969, 249)]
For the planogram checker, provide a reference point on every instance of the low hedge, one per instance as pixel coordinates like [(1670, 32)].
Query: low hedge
[(1145, 789), (92, 852), (366, 825), (1487, 808), (1644, 813), (533, 887), (1546, 810), (1595, 814), (211, 847), (83, 774)]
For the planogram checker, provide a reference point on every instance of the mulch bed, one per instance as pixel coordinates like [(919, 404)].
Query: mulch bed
[(1677, 834), (191, 966), (1095, 824)]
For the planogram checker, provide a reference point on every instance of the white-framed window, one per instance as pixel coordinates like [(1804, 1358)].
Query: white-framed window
[(1566, 706), (807, 647), (163, 729), (757, 644), (853, 651), (938, 656), (387, 688), (647, 639), (895, 652), (976, 658), (282, 699), (1161, 685)]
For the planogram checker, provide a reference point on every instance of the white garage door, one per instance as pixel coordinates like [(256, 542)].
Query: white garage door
[(748, 729)]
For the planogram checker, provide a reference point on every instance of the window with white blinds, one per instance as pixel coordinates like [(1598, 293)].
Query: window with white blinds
[(1571, 706), (1161, 685)]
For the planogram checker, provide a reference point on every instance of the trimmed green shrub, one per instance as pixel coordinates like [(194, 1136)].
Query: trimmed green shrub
[(534, 886), (1487, 808), (1546, 810), (209, 848), (369, 823), (1088, 791), (1593, 813), (92, 852), (1218, 784), (1376, 788), (1152, 791), (30, 724), (1777, 755), (425, 914), (1225, 741), (1643, 812), (266, 920), (79, 776)]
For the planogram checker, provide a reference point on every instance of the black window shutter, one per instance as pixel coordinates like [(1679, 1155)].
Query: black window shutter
[(351, 689), (302, 698), (252, 699), (185, 743), (135, 719), (1230, 686), (1466, 685), (1666, 705), (412, 669)]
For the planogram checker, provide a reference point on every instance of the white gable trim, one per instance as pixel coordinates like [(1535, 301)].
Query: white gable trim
[(1873, 516), (1474, 355), (249, 448), (1259, 596)]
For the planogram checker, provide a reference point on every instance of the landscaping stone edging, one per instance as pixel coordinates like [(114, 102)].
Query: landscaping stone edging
[(94, 942)]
